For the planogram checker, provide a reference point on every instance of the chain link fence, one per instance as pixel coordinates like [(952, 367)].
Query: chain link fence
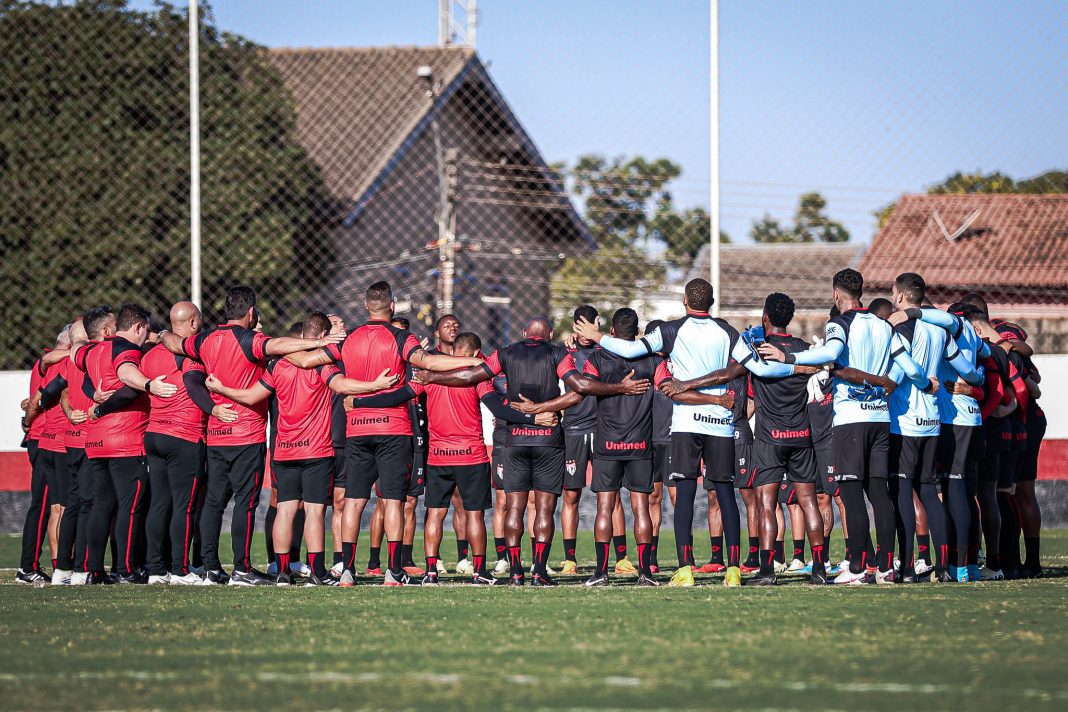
[(324, 170)]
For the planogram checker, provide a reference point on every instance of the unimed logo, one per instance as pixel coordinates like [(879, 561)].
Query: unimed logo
[(609, 445), (927, 422), (296, 443), (789, 434), (380, 420), (451, 452), (702, 418), (220, 431), (531, 432), (94, 443)]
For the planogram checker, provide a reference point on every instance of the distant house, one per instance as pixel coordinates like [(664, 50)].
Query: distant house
[(1013, 249), (364, 116), (748, 273)]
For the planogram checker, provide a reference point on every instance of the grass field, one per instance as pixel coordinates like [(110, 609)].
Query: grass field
[(978, 646)]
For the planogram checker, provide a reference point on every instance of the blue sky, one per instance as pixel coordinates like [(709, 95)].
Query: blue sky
[(861, 101)]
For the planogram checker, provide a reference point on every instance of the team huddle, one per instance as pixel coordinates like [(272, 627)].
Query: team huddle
[(140, 437)]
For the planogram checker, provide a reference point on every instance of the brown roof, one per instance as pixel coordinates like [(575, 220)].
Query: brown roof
[(356, 106), (1004, 241), (748, 273)]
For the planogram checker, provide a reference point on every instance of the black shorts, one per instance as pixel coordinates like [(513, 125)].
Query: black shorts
[(1019, 436), (339, 468), (57, 476), (417, 482), (744, 468), (473, 481), (661, 462), (500, 454), (998, 434), (958, 449), (1008, 463), (611, 475), (775, 462), (690, 450), (307, 480), (578, 449), (532, 467), (1036, 430), (825, 469), (860, 450), (384, 461), (787, 495), (912, 458)]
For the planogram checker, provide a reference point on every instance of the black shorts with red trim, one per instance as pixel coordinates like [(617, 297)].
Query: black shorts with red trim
[(611, 475), (959, 451), (912, 458), (382, 461), (497, 467), (417, 482), (534, 468), (578, 450), (825, 470), (774, 462), (661, 462), (305, 480), (339, 468), (860, 450), (1036, 430), (473, 481), (744, 468)]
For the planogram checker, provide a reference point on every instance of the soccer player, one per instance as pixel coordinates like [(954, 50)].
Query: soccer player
[(52, 441), (697, 345), (661, 413), (914, 429), (534, 368), (861, 426), (115, 441), (960, 440), (457, 459), (378, 448), (304, 455), (236, 354), (174, 445), (820, 411), (337, 439)]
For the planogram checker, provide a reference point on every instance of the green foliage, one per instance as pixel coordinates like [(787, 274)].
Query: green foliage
[(1054, 181), (684, 233), (94, 166), (811, 224)]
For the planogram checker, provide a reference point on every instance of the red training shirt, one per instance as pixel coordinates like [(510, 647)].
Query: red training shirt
[(122, 433), (36, 376), (454, 418), (81, 399), (177, 416), (305, 411), (53, 436)]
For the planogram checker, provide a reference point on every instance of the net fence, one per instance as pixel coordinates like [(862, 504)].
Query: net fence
[(326, 169)]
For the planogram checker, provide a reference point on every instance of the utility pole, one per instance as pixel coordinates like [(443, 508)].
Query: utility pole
[(447, 226), (713, 188), (457, 23), (194, 154)]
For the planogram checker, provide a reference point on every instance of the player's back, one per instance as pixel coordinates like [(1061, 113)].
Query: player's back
[(533, 368), (866, 340), (177, 415), (699, 345), (954, 408), (782, 415), (624, 422), (912, 411), (366, 352), (304, 409)]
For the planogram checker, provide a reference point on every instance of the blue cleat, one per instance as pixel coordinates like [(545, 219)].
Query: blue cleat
[(973, 573)]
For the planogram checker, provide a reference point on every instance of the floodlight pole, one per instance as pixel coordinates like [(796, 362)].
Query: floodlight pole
[(194, 153), (713, 188)]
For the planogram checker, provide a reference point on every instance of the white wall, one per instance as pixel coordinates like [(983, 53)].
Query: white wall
[(14, 386)]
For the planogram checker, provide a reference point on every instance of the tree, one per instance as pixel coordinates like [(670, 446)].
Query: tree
[(94, 166), (810, 224), (684, 233)]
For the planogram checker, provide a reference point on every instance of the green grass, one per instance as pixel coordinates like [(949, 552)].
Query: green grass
[(794, 647)]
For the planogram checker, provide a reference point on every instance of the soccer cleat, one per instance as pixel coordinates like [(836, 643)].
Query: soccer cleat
[(973, 572), (682, 578), (539, 580), (516, 580), (818, 577), (897, 564), (217, 577), (414, 571), (644, 580), (401, 579), (569, 568), (923, 568), (711, 568), (779, 567), (945, 577), (761, 580), (198, 570), (733, 577), (132, 579), (835, 569), (988, 574), (299, 568), (981, 558), (597, 580), (61, 577), (376, 571), (430, 578), (99, 578), (501, 568), (848, 578), (441, 568), (189, 579), (797, 566), (337, 569), (327, 580), (654, 569), (347, 580), (283, 579), (905, 576), (549, 570), (464, 567), (272, 568), (485, 580), (154, 579), (888, 576), (33, 578), (252, 577), (747, 568), (624, 566), (81, 578)]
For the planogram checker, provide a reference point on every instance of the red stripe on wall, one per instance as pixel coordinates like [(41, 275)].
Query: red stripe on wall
[(14, 471), (1053, 460)]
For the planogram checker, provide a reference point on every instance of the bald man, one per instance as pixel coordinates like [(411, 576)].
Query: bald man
[(174, 445), (535, 455)]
